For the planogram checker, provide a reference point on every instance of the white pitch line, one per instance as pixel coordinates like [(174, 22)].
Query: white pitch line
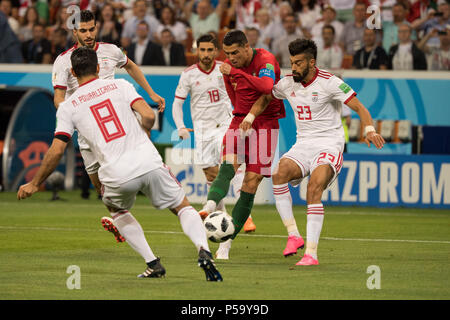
[(241, 235)]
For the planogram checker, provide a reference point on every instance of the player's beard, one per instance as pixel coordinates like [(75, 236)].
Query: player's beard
[(299, 77), (84, 44), (207, 62)]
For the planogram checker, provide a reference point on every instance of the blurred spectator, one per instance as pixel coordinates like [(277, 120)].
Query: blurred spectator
[(97, 6), (264, 25), (10, 51), (29, 20), (330, 56), (143, 51), (221, 56), (140, 13), (351, 39), (6, 7), (386, 7), (110, 29), (205, 18), (15, 5), (126, 7), (390, 28), (406, 55), (437, 20), (169, 21), (308, 12), (173, 52), (175, 5), (53, 9), (38, 49), (344, 9), (42, 9), (61, 22), (371, 56), (438, 58), (59, 42), (280, 46), (328, 18), (253, 38), (245, 12), (418, 10), (278, 30)]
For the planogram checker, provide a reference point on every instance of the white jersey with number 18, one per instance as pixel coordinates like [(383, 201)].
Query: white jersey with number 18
[(101, 111), (210, 104), (317, 104)]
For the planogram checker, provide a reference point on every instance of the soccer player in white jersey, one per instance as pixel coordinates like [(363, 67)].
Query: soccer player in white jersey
[(316, 96), (64, 83), (102, 111), (211, 113)]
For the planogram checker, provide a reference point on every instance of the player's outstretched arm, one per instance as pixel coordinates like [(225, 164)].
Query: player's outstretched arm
[(49, 164), (177, 115), (371, 136), (258, 107), (136, 73)]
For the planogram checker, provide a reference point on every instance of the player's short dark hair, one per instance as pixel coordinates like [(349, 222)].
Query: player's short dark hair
[(235, 36), (84, 61), (86, 16), (207, 38), (329, 26), (303, 46)]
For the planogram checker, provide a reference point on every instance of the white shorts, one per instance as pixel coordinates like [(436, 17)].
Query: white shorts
[(90, 162), (310, 154), (159, 185), (208, 153)]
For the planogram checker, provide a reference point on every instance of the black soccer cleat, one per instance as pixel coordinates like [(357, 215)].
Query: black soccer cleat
[(206, 262), (154, 270)]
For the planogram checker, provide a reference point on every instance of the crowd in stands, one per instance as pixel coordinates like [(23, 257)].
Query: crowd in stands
[(413, 34)]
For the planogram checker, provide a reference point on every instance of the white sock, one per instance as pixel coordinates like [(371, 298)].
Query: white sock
[(132, 231), (314, 222), (192, 226), (210, 206), (283, 202)]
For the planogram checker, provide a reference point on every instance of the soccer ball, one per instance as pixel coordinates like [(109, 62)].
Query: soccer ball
[(219, 226)]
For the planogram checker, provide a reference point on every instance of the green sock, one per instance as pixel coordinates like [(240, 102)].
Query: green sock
[(241, 211), (219, 187)]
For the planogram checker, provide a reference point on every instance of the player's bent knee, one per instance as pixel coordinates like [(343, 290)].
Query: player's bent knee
[(184, 203), (315, 189)]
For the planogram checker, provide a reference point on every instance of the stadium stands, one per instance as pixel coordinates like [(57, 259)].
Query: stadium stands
[(432, 15)]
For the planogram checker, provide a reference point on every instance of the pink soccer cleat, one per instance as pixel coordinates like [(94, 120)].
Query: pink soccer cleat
[(307, 260), (293, 244)]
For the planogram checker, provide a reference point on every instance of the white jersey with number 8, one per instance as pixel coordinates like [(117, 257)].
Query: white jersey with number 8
[(101, 112)]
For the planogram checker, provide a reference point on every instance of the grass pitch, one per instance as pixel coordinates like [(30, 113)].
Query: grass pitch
[(40, 239)]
